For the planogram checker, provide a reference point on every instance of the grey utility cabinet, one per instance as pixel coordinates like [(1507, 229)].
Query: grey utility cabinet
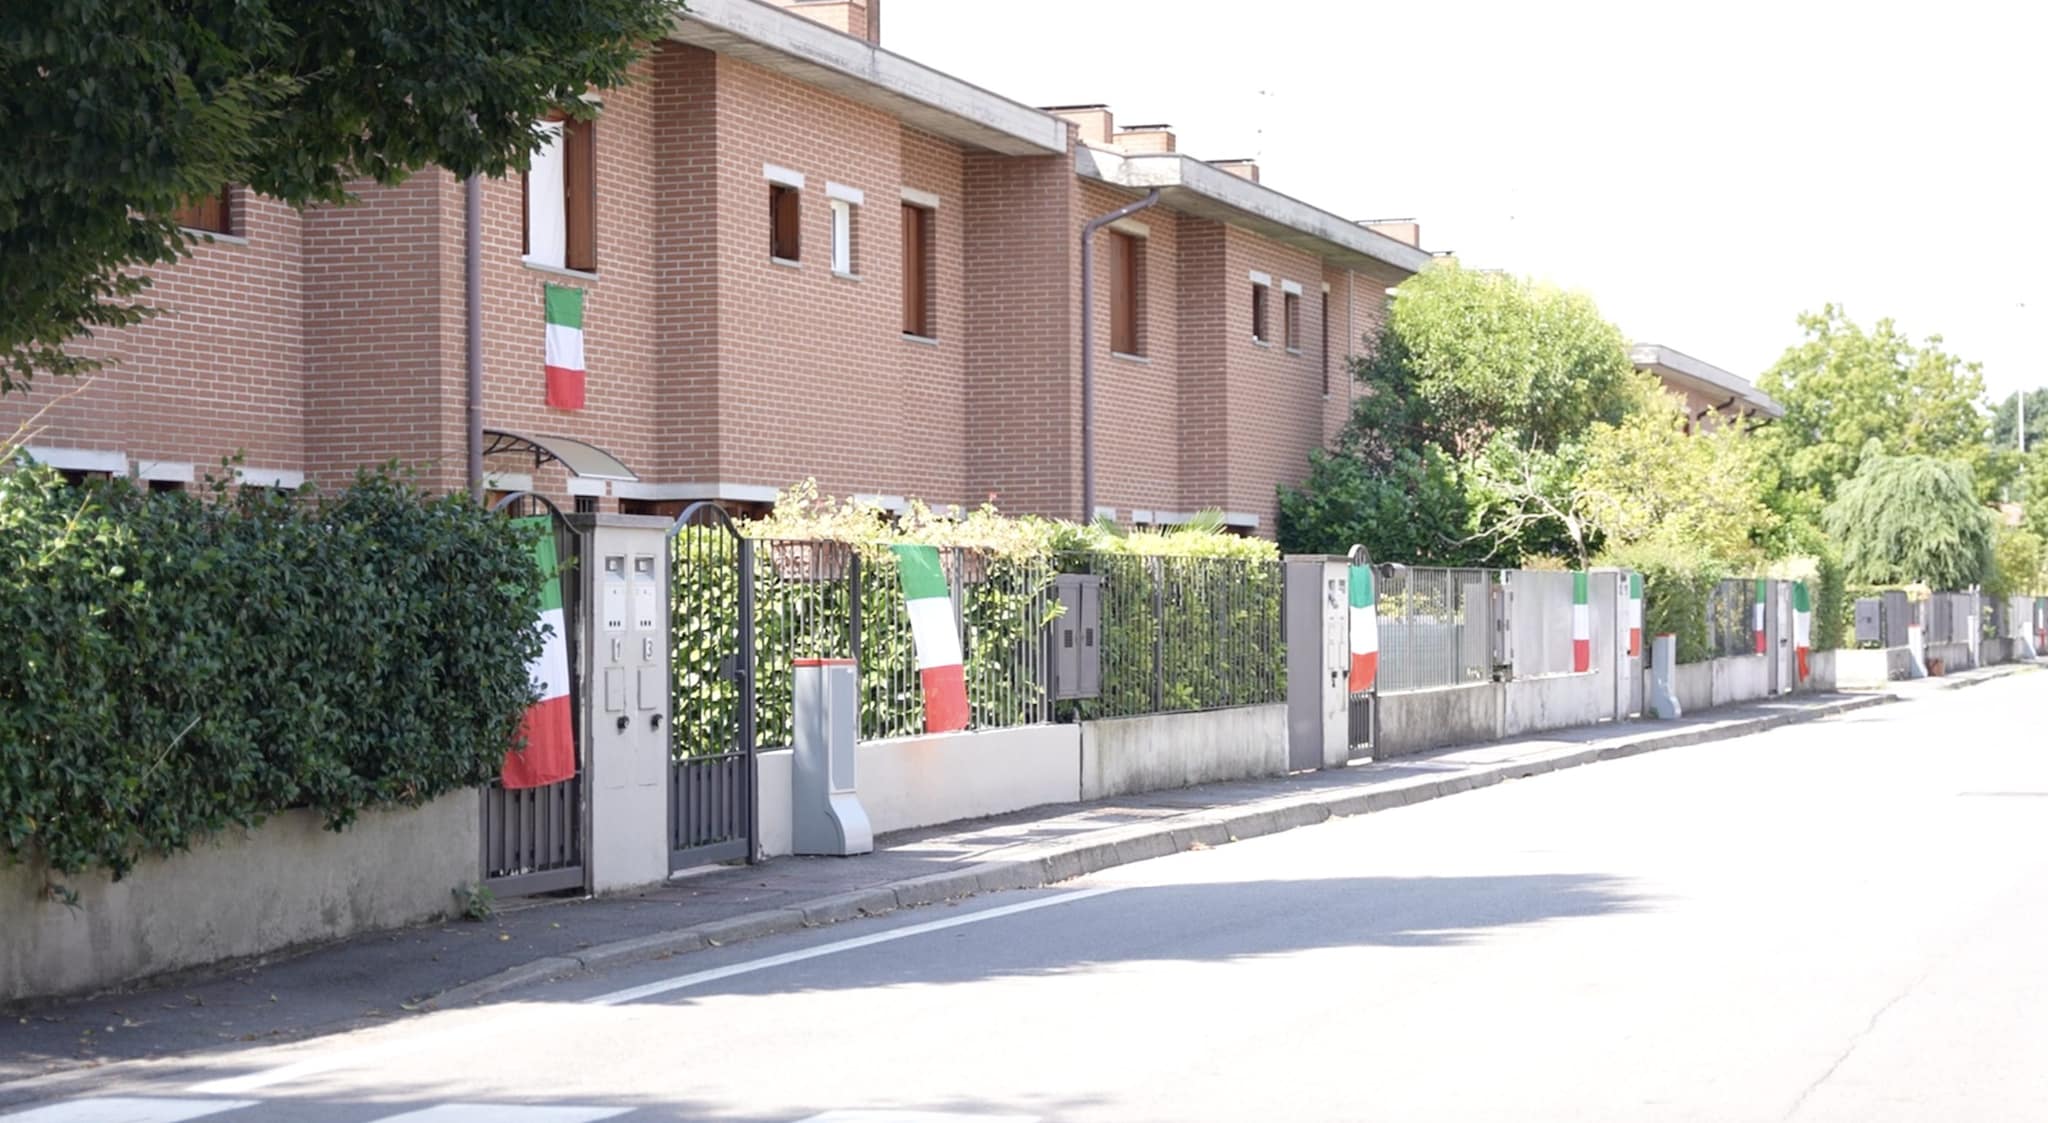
[(1077, 637)]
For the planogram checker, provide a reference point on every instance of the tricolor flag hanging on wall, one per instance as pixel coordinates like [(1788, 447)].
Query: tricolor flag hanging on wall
[(1756, 613), (1635, 615), (548, 754), (936, 636), (1582, 624), (1802, 626), (565, 347), (1365, 629)]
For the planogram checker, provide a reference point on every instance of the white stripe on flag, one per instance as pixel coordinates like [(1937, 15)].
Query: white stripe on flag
[(1582, 621), (1802, 629), (1365, 639), (551, 673), (565, 347), (932, 630)]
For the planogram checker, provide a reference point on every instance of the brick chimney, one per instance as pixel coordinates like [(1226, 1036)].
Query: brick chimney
[(1145, 138), (861, 19), (1242, 169), (1096, 122), (1399, 229)]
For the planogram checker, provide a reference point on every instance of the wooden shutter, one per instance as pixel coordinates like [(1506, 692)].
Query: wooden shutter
[(210, 214), (579, 194), (1259, 313), (916, 279), (1326, 344), (1123, 293), (785, 213)]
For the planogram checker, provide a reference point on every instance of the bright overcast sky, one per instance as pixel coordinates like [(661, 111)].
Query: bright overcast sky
[(1705, 171)]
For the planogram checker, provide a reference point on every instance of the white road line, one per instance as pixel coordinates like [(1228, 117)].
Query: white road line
[(284, 1074), (505, 1113), (697, 978), (887, 1116), (127, 1109)]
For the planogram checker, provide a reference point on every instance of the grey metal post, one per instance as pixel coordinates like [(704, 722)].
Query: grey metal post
[(473, 328), (1088, 345)]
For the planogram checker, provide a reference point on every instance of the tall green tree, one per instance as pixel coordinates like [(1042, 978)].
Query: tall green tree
[(1656, 478), (1843, 388), (118, 111), (1912, 519), (2005, 421)]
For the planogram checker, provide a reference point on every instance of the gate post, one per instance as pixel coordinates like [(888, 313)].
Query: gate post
[(1318, 616), (626, 684)]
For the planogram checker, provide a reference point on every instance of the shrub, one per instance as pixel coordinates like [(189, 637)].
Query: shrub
[(178, 665), (1678, 584)]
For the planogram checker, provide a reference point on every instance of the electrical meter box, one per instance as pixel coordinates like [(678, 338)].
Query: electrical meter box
[(1076, 637), (625, 657), (1317, 631)]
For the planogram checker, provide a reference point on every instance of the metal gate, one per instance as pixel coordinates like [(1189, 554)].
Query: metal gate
[(534, 839), (711, 804)]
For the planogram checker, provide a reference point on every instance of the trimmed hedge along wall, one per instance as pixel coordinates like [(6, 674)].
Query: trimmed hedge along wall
[(175, 666)]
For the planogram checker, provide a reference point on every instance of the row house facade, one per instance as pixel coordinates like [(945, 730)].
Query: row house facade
[(800, 255)]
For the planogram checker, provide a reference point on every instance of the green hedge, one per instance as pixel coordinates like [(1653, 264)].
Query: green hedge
[(177, 665), (1677, 587)]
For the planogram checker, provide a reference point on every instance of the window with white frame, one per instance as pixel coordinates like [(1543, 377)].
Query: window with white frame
[(559, 188), (1262, 301), (845, 203)]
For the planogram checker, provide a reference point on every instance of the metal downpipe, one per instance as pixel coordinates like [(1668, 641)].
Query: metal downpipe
[(1088, 345)]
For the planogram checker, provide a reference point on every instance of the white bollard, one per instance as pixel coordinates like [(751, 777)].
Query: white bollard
[(1663, 677)]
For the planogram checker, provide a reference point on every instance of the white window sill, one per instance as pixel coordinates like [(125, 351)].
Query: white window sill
[(217, 237), (558, 270), (927, 340), (785, 262), (1128, 357), (1257, 342), (846, 276), (1294, 350)]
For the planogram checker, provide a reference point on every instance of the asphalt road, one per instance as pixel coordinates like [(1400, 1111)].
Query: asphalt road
[(1839, 921)]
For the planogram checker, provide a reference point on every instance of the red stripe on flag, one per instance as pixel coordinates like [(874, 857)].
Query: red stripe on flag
[(1759, 643), (1365, 667), (565, 388), (1635, 642), (1582, 655), (945, 698), (1804, 670), (550, 752)]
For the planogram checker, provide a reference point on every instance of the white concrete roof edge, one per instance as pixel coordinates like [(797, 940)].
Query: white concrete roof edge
[(1667, 359), (803, 38)]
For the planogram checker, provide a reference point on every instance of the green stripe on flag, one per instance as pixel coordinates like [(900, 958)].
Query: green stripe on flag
[(1800, 603), (1579, 591), (1761, 592), (1362, 591), (543, 528), (565, 306), (921, 574), (1635, 586)]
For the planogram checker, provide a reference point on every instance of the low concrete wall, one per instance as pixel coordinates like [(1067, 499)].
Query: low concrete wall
[(1414, 721), (1820, 678), (1160, 751), (1953, 656), (1694, 685), (1556, 702), (244, 893), (1997, 651), (1741, 678), (909, 782), (1871, 668)]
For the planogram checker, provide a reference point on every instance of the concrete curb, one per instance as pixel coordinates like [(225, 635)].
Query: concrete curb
[(1120, 846)]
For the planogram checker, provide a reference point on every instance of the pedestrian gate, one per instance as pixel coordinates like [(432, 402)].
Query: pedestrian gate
[(711, 731)]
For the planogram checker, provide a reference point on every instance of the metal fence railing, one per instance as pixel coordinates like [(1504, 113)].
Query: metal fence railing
[(1731, 618), (1183, 633), (1436, 627)]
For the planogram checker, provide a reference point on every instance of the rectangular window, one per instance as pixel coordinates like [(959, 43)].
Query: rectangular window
[(1126, 293), (785, 220), (918, 256), (560, 191), (213, 214), (842, 237), (1290, 309), (1262, 330), (1326, 342)]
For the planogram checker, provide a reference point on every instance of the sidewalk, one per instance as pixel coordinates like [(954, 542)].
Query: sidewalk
[(379, 977)]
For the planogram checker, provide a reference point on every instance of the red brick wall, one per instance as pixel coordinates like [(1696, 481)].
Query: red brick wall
[(1137, 400), (1274, 397), (218, 370), (1207, 332)]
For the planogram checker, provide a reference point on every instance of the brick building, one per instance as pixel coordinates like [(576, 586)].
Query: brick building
[(1708, 390), (800, 256)]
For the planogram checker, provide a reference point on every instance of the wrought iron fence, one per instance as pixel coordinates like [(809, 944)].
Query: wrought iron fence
[(1436, 627), (1731, 618), (1187, 634)]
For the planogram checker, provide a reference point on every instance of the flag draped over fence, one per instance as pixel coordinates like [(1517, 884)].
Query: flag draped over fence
[(1635, 615), (1802, 626), (1756, 613), (547, 752), (565, 347), (1582, 624), (1365, 629), (936, 636)]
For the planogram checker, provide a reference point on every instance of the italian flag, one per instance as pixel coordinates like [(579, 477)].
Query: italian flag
[(1756, 614), (547, 750), (1365, 630), (936, 636), (1802, 626), (1635, 615), (565, 347), (1582, 624)]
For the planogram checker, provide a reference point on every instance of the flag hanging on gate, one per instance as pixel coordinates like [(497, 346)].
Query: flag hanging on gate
[(1365, 629), (1756, 613), (1802, 626), (547, 750), (1582, 624), (565, 347), (1635, 615), (935, 636)]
